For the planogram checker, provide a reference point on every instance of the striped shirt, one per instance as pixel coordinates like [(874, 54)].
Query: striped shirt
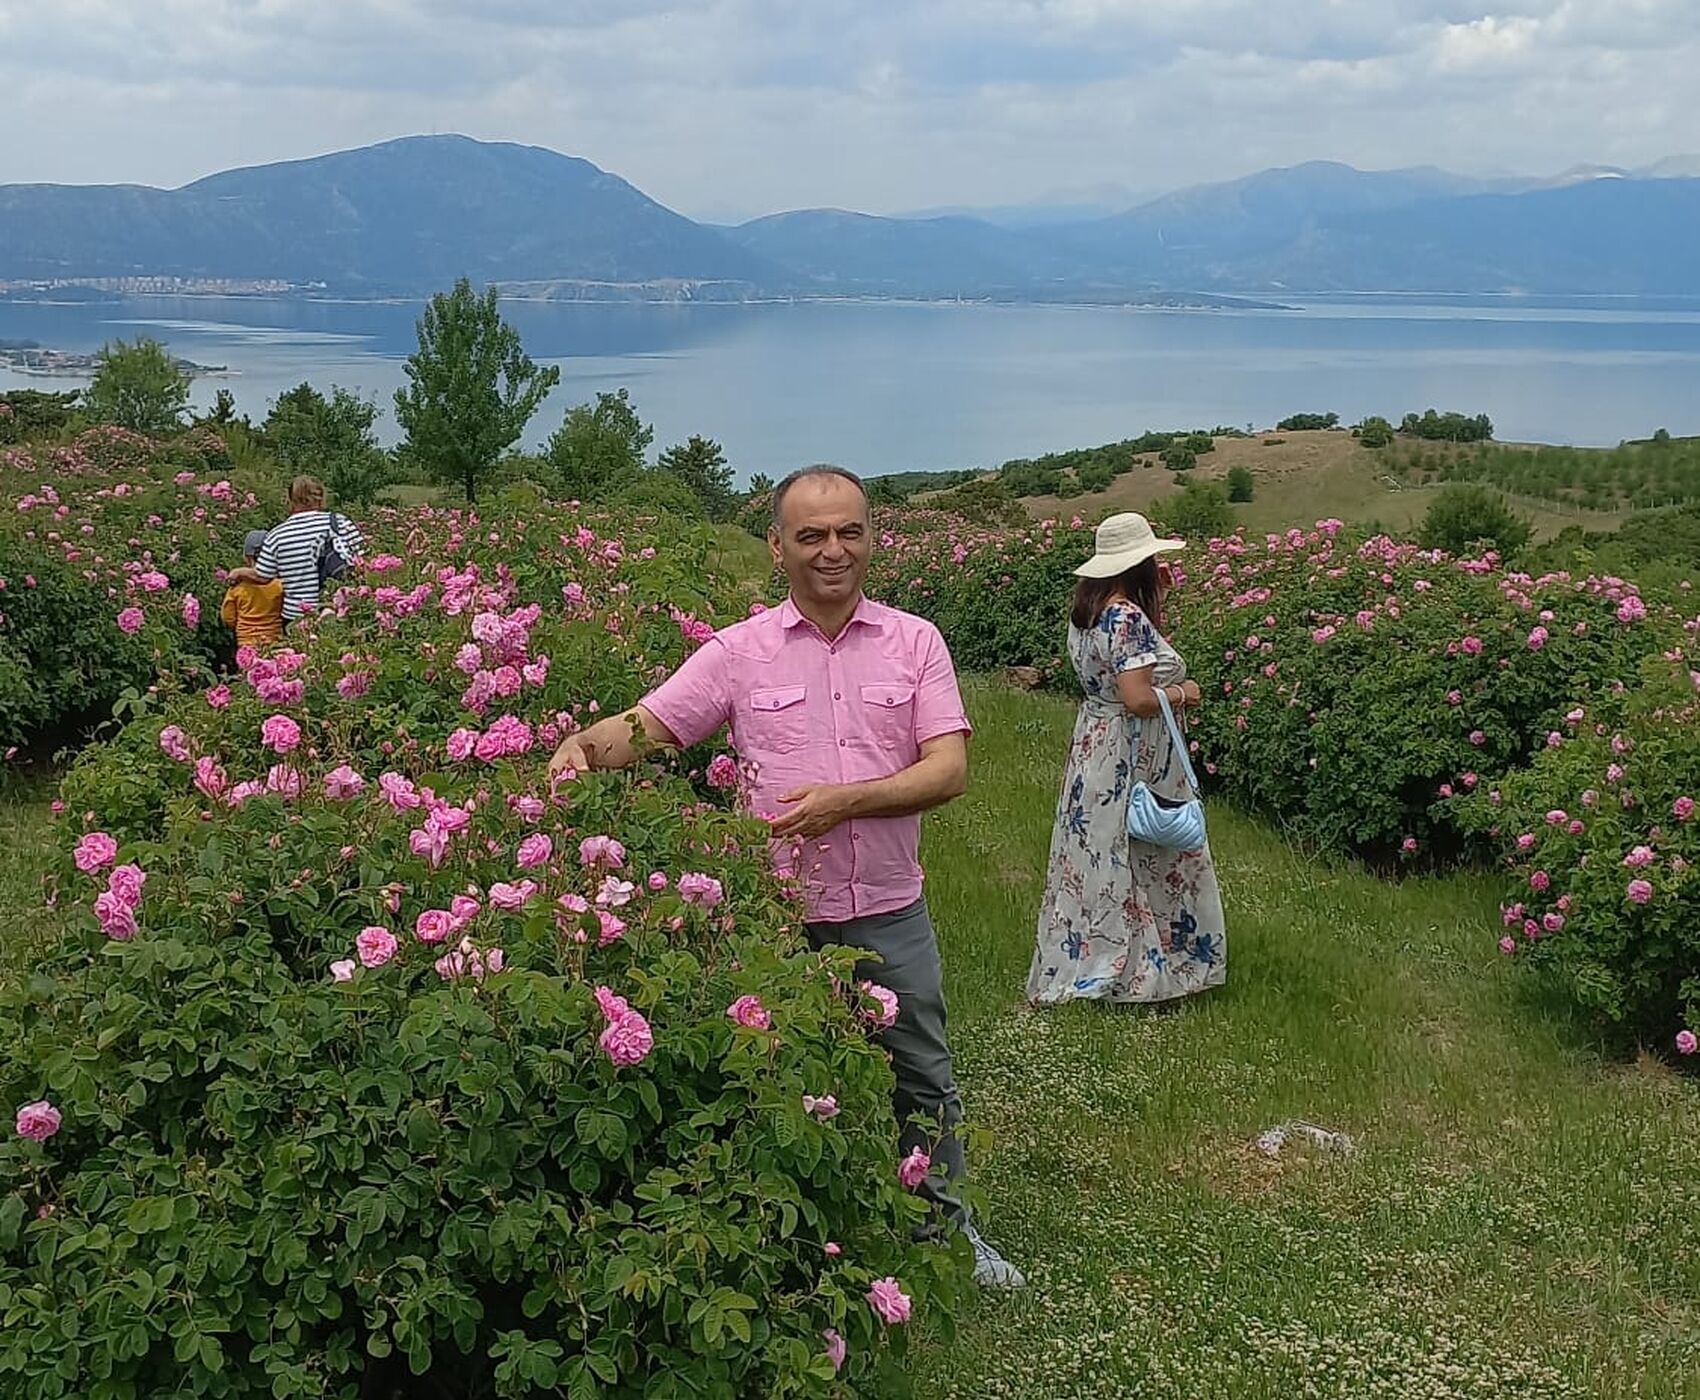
[(292, 552)]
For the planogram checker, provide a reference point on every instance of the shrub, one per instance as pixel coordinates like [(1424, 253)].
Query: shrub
[(1179, 458), (297, 1159), (111, 526), (1198, 513), (1241, 485), (1602, 837), (1308, 422), (1095, 477), (1375, 432), (1466, 518)]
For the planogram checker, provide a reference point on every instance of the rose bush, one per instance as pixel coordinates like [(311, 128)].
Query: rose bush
[(1602, 836), (111, 526), (374, 1057), (1350, 683)]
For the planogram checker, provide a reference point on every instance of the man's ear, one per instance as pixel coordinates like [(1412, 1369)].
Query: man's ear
[(774, 546)]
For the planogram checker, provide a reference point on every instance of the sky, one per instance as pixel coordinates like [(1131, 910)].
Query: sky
[(731, 108)]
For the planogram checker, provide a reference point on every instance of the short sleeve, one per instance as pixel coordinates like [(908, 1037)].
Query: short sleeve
[(938, 699), (265, 562), (1133, 640), (348, 540), (696, 700)]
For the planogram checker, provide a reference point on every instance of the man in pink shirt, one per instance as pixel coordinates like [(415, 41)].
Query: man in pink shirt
[(848, 717)]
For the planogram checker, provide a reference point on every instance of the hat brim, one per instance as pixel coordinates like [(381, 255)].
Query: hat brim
[(1109, 565)]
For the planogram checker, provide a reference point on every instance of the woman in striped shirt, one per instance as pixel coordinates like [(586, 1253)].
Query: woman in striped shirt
[(295, 549)]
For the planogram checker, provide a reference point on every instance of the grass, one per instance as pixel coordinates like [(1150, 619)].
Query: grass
[(25, 834), (1522, 1217), (1303, 477)]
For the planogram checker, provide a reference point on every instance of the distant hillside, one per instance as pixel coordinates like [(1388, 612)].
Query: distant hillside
[(1328, 227), (407, 215), (833, 249)]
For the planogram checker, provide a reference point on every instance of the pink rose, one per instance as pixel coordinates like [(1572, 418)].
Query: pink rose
[(218, 697), (342, 970), (117, 919), (913, 1169), (826, 1106), (612, 927), (1508, 944), (342, 782), (210, 779), (614, 892), (748, 1011), (601, 850), (722, 772), (836, 1349), (174, 743), (463, 909), (534, 850), (130, 621), (657, 880), (1537, 638), (1640, 858), (1639, 891), (696, 888), (510, 897), (399, 792), (1686, 1044), (1683, 808), (376, 946), (126, 883), (95, 852), (886, 1016), (280, 733), (433, 925), (833, 1249), (191, 611), (38, 1121), (887, 1298)]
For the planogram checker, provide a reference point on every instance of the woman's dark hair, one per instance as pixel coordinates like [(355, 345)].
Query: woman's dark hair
[(1138, 585)]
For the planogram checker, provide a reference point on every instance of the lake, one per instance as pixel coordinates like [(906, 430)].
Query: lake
[(887, 386)]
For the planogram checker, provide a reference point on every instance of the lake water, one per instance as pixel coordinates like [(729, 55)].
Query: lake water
[(893, 386)]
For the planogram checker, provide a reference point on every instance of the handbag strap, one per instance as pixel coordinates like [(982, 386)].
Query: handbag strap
[(1178, 739)]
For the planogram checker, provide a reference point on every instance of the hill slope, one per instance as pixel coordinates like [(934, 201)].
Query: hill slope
[(407, 215)]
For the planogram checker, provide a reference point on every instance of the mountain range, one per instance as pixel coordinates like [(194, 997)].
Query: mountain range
[(408, 216)]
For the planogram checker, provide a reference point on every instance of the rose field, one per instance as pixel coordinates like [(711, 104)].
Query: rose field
[(346, 1057)]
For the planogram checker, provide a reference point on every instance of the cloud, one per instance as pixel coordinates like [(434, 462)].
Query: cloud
[(751, 105)]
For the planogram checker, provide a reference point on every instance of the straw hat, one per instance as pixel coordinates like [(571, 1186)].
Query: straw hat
[(1123, 541)]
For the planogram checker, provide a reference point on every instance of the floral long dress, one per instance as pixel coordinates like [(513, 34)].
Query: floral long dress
[(1123, 920)]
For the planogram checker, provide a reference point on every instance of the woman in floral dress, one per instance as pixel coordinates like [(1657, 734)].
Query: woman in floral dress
[(1122, 920)]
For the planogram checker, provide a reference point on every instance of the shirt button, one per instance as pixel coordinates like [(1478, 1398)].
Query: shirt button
[(842, 742), (838, 695)]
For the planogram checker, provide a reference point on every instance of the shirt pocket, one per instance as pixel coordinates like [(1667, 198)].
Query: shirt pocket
[(889, 709), (778, 718)]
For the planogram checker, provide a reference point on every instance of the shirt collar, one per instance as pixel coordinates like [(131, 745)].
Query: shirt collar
[(790, 615)]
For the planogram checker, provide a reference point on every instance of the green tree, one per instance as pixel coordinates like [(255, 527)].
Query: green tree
[(701, 464), (1198, 512), (29, 413), (1375, 431), (1308, 423), (333, 438), (137, 385), (471, 390), (598, 448), (1178, 457), (1240, 484), (1466, 518)]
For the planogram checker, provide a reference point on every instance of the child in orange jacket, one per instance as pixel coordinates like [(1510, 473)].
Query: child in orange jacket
[(255, 610)]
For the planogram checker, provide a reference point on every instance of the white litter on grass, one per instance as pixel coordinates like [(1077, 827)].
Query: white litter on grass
[(1272, 1140)]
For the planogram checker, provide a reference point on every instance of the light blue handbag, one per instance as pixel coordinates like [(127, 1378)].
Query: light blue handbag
[(1162, 821)]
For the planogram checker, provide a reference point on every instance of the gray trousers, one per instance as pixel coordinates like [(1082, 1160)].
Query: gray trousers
[(928, 1109)]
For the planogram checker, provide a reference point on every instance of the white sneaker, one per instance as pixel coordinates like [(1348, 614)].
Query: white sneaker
[(991, 1269)]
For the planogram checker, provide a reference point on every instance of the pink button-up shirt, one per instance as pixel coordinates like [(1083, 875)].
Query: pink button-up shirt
[(807, 710)]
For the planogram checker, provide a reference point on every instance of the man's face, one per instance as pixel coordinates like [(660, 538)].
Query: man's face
[(823, 539)]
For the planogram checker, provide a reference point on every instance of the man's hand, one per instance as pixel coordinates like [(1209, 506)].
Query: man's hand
[(245, 574), (1191, 695), (569, 758), (814, 810)]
